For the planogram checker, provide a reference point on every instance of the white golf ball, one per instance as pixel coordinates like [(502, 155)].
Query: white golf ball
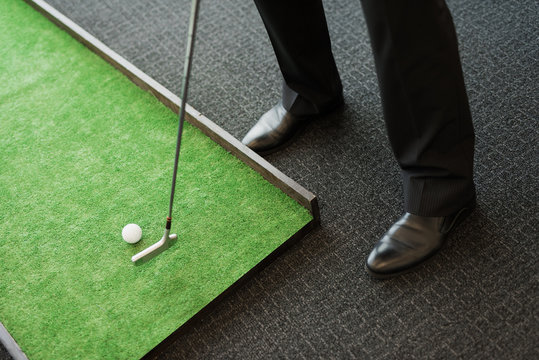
[(132, 233)]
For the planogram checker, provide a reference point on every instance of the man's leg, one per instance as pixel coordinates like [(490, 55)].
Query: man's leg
[(311, 86), (428, 122)]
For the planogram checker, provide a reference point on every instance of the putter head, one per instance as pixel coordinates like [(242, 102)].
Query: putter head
[(156, 249)]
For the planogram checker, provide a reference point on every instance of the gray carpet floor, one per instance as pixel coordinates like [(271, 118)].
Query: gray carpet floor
[(477, 299)]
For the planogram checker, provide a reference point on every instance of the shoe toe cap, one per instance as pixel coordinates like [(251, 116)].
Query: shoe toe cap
[(386, 258), (265, 132)]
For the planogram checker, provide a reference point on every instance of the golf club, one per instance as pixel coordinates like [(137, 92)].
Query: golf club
[(168, 239)]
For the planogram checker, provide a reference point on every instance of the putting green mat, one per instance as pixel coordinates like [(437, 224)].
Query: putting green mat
[(83, 151)]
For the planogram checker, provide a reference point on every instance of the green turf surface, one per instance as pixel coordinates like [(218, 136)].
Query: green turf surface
[(83, 152)]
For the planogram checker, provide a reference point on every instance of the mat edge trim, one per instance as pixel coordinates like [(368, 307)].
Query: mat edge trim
[(210, 129), (11, 345)]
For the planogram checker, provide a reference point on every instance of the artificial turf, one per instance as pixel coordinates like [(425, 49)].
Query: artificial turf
[(83, 152)]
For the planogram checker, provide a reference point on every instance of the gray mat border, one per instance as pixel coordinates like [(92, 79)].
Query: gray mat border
[(11, 345)]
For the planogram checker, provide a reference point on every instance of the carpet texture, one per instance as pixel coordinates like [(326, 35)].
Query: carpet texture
[(85, 151), (477, 299)]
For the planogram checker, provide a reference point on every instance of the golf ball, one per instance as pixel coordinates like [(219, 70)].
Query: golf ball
[(131, 233)]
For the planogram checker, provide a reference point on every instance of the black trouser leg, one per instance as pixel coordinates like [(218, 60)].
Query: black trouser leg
[(424, 100), (299, 35)]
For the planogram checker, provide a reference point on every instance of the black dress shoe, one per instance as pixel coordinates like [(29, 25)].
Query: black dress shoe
[(277, 128), (410, 241)]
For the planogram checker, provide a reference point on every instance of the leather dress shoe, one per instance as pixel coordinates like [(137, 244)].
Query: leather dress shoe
[(277, 128), (410, 241)]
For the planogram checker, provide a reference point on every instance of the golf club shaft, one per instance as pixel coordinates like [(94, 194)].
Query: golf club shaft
[(183, 97)]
